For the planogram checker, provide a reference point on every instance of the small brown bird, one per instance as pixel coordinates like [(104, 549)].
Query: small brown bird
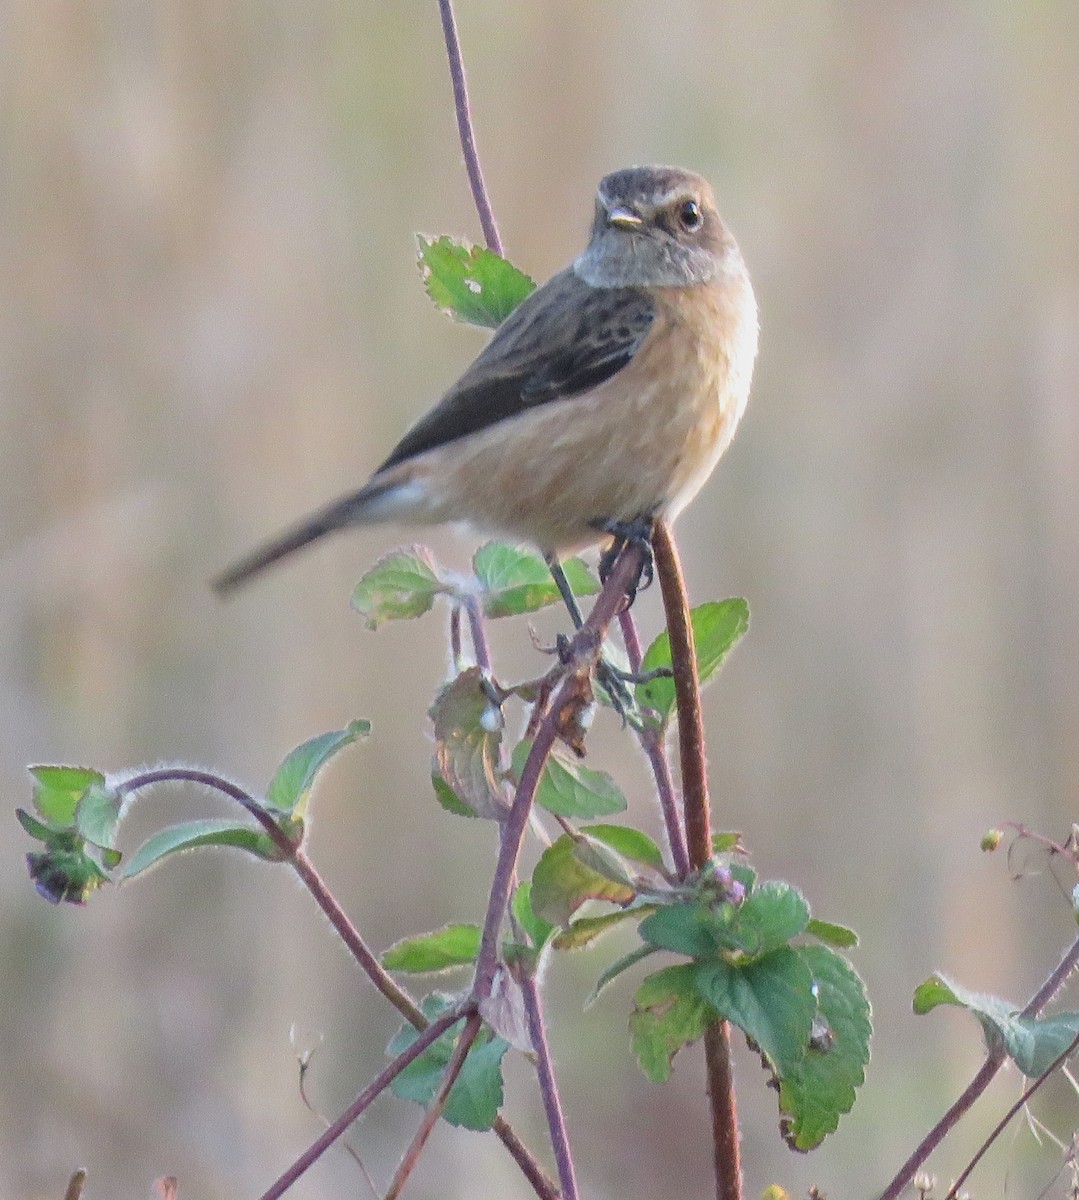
[(604, 400)]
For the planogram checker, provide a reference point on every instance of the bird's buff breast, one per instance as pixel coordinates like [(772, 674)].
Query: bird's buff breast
[(642, 443)]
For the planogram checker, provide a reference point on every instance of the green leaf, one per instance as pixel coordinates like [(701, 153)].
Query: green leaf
[(818, 1090), (402, 585), (744, 874), (598, 857), (669, 1013), (696, 929), (726, 843), (585, 930), (832, 934), (211, 831), (57, 791), (561, 883), (569, 789), (771, 999), (291, 785), (935, 990), (43, 833), (470, 282), (448, 798), (717, 626), (468, 738), (514, 580), (1032, 1043), (1047, 1038), (538, 930), (450, 946), (629, 842), (97, 815), (476, 1097), (771, 915)]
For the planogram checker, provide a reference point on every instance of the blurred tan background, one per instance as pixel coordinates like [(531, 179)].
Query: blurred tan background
[(210, 321)]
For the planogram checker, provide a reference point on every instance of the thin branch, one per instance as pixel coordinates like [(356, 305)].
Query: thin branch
[(226, 787), (350, 935), (994, 1060), (464, 127), (654, 744), (542, 1184), (556, 1122), (434, 1109), (583, 650), (377, 1085), (296, 856), (726, 1153), (1003, 1122), (477, 630)]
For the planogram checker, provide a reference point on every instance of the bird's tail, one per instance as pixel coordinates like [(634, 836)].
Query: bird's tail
[(358, 508)]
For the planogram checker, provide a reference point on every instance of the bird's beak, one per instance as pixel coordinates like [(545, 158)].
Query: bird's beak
[(624, 218)]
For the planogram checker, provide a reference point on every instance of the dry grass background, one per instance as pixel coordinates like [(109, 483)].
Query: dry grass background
[(210, 321)]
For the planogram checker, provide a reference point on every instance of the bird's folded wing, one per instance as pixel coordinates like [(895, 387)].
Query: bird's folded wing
[(563, 340)]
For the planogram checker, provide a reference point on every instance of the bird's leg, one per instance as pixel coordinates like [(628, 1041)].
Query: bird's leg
[(637, 532), (565, 591), (608, 675), (613, 678)]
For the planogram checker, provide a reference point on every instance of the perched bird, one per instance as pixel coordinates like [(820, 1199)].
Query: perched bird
[(603, 402)]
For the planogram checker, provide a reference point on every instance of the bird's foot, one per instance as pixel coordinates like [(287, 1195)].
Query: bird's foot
[(637, 532)]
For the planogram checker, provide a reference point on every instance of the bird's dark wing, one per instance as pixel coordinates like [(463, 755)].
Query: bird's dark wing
[(565, 338)]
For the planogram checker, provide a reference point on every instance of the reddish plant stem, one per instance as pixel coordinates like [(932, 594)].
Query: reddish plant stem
[(350, 935), (464, 127), (993, 1062), (377, 1085), (226, 787), (687, 689), (434, 1110), (556, 1122), (726, 1152), (654, 744), (542, 1184), (296, 856), (582, 652)]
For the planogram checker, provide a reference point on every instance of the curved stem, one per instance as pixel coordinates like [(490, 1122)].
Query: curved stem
[(226, 787), (726, 1154), (464, 127), (296, 856)]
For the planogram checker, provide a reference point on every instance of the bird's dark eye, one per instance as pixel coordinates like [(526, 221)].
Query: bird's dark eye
[(690, 216)]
